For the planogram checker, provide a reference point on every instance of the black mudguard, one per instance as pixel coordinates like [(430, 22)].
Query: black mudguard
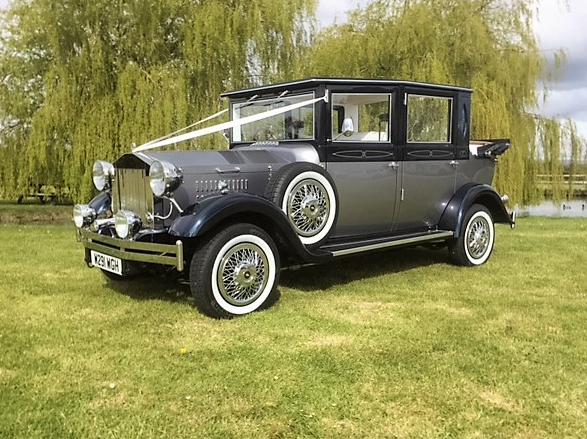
[(101, 203), (240, 207), (464, 198)]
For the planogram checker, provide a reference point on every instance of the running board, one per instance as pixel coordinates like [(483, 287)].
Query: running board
[(349, 249)]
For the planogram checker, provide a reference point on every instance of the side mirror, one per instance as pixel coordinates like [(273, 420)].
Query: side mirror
[(348, 128)]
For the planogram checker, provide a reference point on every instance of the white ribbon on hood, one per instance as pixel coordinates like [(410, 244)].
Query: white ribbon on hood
[(226, 125)]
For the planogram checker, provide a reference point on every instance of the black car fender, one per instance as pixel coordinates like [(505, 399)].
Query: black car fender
[(464, 198), (244, 207), (101, 203)]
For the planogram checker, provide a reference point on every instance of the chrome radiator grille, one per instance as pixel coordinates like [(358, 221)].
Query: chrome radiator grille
[(131, 191)]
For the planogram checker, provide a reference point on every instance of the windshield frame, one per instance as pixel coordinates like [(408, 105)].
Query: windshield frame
[(294, 125)]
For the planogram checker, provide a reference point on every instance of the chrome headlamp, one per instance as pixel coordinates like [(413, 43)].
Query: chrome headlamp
[(164, 178), (83, 215), (102, 173), (127, 223)]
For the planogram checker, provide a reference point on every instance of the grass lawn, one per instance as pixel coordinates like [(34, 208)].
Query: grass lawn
[(397, 344)]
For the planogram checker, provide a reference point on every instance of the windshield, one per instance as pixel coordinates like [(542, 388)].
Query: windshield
[(288, 125)]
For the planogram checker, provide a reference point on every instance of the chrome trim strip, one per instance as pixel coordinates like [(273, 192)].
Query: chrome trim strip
[(167, 254), (430, 153), (362, 154), (415, 239), (179, 255)]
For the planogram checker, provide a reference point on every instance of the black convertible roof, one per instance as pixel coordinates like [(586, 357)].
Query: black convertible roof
[(350, 82)]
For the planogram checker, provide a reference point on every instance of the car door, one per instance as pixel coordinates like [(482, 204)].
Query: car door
[(363, 163), (429, 163)]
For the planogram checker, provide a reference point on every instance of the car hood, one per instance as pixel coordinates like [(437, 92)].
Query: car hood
[(248, 159)]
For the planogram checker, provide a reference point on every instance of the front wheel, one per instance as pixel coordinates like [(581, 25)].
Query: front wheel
[(475, 242), (235, 272)]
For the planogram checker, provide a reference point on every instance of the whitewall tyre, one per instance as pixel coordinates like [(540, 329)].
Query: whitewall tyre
[(235, 272), (475, 242)]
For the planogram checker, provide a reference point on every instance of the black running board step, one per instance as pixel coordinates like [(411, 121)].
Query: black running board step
[(348, 248)]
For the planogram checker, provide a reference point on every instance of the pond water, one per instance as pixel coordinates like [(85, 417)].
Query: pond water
[(572, 208)]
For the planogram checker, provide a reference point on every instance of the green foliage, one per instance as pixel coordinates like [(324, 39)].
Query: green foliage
[(396, 344), (488, 45), (85, 80)]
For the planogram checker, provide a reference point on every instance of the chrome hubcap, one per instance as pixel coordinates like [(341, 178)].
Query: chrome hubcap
[(308, 207), (242, 275), (245, 274), (478, 237), (311, 207)]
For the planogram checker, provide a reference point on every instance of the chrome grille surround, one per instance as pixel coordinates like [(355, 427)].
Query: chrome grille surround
[(131, 191)]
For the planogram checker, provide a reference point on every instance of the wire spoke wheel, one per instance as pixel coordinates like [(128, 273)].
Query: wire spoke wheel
[(475, 242), (478, 237), (308, 207), (242, 274), (305, 192), (235, 271)]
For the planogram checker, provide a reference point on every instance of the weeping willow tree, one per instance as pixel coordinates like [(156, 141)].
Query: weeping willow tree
[(488, 45), (84, 80)]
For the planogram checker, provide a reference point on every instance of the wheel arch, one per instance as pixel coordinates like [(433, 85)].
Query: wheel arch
[(224, 210), (101, 203), (464, 198)]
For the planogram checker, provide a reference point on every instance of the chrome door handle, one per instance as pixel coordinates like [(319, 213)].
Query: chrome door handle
[(234, 170), (394, 165)]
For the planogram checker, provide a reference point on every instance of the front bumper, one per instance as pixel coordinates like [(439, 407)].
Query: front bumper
[(153, 253), (513, 219)]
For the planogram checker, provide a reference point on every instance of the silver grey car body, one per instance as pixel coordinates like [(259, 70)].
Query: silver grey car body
[(316, 169)]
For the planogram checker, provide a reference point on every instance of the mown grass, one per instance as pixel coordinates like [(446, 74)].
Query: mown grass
[(391, 345)]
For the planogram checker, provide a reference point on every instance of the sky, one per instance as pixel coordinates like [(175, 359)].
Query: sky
[(558, 26)]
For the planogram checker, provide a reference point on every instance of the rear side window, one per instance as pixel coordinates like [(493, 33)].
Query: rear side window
[(368, 112), (429, 119)]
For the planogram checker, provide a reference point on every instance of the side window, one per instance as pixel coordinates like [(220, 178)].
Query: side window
[(369, 113), (429, 119)]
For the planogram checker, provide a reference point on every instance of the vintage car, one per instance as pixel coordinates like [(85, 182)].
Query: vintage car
[(316, 169)]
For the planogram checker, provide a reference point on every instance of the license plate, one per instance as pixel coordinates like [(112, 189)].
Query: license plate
[(105, 262)]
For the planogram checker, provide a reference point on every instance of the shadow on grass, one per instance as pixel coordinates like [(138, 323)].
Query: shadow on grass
[(353, 268), (308, 278), (148, 287)]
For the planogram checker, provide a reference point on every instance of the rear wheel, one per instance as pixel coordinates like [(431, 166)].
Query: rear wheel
[(475, 242), (235, 272)]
